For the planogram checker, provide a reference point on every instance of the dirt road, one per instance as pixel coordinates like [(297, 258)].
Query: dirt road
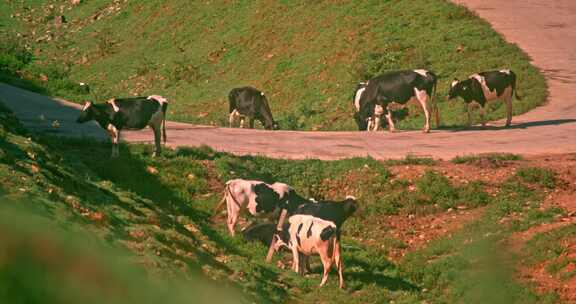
[(546, 30)]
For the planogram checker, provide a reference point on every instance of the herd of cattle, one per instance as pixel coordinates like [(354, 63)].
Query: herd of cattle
[(372, 99), (312, 227)]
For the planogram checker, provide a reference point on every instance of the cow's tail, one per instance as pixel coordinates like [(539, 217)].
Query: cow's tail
[(434, 102), (164, 110), (222, 201), (514, 87)]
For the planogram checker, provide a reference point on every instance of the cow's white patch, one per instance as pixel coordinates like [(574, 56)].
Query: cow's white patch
[(112, 102), (86, 105), (313, 200), (421, 72), (423, 98), (262, 93), (281, 189), (158, 98), (350, 197), (505, 71), (357, 97), (488, 95), (454, 83)]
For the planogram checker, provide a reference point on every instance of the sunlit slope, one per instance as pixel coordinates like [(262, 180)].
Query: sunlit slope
[(306, 56)]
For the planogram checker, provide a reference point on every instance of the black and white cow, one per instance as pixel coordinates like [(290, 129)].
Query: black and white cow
[(258, 198), (248, 102), (398, 87), (133, 113), (305, 235), (360, 88), (334, 211), (484, 87)]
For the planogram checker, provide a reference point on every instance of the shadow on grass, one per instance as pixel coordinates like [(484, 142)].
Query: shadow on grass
[(371, 275)]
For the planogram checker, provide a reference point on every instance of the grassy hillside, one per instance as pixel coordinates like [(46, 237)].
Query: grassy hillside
[(305, 56), (158, 211)]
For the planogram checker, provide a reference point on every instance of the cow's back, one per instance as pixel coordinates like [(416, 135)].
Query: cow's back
[(308, 232), (135, 113)]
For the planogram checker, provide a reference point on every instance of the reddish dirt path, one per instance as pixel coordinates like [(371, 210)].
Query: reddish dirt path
[(546, 30)]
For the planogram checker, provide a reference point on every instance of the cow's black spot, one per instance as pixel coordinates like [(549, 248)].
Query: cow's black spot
[(327, 233), (298, 233), (309, 233), (266, 198)]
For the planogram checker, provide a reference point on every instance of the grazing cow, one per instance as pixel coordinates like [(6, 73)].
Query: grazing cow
[(334, 211), (398, 87), (484, 87), (360, 88), (305, 235), (128, 114), (251, 103), (258, 198)]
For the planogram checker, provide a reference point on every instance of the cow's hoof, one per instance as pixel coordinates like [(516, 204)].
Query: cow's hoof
[(426, 131)]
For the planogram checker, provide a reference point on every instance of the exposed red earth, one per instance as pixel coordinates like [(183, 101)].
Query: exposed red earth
[(545, 30)]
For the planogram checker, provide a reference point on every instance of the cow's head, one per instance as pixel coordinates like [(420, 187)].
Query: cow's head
[(459, 88), (86, 114), (350, 205)]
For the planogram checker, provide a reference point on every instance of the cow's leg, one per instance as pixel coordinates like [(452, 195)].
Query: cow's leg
[(303, 259), (377, 123), (307, 264), (391, 126), (157, 139), (469, 114), (338, 262), (483, 115), (508, 100), (114, 135), (231, 119), (370, 122), (251, 123), (233, 211), (242, 122), (326, 259), (422, 97), (295, 258)]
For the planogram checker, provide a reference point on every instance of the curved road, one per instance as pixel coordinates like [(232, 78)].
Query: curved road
[(546, 30)]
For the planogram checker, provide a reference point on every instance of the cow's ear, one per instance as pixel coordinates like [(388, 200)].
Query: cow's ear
[(454, 82), (87, 105)]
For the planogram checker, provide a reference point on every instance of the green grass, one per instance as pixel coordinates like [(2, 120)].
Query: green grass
[(491, 159), (541, 176), (552, 247), (306, 57)]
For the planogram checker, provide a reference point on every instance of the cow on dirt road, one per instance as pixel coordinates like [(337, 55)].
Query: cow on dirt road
[(248, 102), (481, 88), (133, 113), (397, 87)]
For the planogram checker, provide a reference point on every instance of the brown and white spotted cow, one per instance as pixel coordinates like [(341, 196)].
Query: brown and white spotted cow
[(258, 198), (484, 87), (133, 113), (397, 87)]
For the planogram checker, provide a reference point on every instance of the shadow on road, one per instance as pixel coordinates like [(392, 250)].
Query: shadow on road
[(524, 125)]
